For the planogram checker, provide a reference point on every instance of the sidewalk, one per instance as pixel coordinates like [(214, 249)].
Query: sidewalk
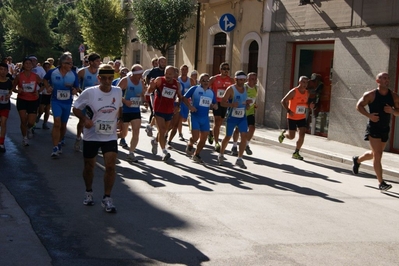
[(328, 149)]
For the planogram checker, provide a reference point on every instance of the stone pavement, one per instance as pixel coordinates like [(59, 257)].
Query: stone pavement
[(17, 236)]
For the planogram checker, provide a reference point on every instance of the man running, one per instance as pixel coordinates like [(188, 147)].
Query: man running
[(219, 84), (382, 103), (202, 98), (5, 106), (235, 98), (87, 78), (296, 103), (133, 89), (104, 106), (166, 89), (63, 83)]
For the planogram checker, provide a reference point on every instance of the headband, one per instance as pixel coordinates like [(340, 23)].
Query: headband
[(106, 71), (241, 77), (138, 72)]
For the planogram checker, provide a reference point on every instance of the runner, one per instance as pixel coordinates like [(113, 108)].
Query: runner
[(26, 84), (296, 103), (166, 89), (104, 105), (202, 98), (63, 83), (133, 88), (235, 98), (219, 84), (5, 106), (252, 91), (87, 78)]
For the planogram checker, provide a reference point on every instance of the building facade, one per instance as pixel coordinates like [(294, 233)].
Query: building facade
[(346, 42)]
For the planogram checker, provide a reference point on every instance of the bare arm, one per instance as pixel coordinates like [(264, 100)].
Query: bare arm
[(228, 94), (367, 98), (285, 101)]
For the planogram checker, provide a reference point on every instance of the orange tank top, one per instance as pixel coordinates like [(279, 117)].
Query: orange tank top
[(298, 105), (219, 86)]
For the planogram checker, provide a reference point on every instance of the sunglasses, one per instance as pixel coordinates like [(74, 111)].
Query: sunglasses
[(225, 68), (204, 80)]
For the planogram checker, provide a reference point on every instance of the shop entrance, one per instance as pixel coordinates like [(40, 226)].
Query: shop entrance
[(315, 60)]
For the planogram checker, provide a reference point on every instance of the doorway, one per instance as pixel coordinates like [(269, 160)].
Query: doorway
[(316, 58)]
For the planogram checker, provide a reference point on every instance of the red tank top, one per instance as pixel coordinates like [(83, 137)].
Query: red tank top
[(298, 105), (219, 85), (28, 87), (165, 96)]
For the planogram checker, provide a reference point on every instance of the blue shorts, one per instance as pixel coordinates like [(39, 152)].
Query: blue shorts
[(184, 111), (61, 110), (200, 123), (232, 123)]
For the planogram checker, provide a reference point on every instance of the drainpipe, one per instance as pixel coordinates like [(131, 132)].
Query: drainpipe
[(197, 32)]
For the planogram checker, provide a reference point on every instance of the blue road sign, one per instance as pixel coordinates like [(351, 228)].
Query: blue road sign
[(227, 22)]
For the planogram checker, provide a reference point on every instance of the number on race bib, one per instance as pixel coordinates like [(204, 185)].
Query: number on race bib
[(168, 93), (135, 102), (220, 93), (104, 127), (205, 101), (238, 112), (63, 94), (300, 109), (4, 96)]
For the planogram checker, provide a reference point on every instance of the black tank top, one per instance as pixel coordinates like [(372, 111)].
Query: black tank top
[(377, 106)]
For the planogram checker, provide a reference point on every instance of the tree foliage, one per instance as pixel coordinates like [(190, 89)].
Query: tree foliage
[(162, 23), (103, 24), (26, 24)]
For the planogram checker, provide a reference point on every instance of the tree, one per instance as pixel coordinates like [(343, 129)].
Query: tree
[(26, 24), (103, 24), (162, 23)]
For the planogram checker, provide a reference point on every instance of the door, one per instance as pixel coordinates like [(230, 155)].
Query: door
[(219, 55)]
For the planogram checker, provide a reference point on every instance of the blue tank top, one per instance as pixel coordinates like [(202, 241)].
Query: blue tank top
[(241, 98), (89, 79), (133, 93)]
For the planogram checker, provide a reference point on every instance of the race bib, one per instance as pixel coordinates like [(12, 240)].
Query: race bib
[(238, 112), (205, 101), (135, 102), (168, 93), (105, 127), (29, 87), (220, 93), (300, 109), (4, 98), (63, 95)]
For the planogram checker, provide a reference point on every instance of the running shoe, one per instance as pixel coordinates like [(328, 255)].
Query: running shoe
[(240, 163), (25, 142), (2, 148), (221, 159), (166, 156), (210, 138), (59, 148), (154, 145), (148, 130), (181, 137), (131, 158), (297, 156), (63, 142), (248, 150), (384, 186), (217, 147), (197, 159), (355, 166), (108, 205), (122, 142), (281, 137), (76, 146), (88, 200), (45, 126), (189, 150), (170, 147), (55, 153), (234, 151), (30, 133)]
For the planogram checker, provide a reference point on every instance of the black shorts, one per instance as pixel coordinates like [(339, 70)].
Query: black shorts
[(221, 111), (90, 148), (377, 133), (251, 120), (127, 117), (29, 106), (45, 99), (294, 124)]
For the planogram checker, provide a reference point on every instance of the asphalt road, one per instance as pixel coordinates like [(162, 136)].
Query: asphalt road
[(279, 211)]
